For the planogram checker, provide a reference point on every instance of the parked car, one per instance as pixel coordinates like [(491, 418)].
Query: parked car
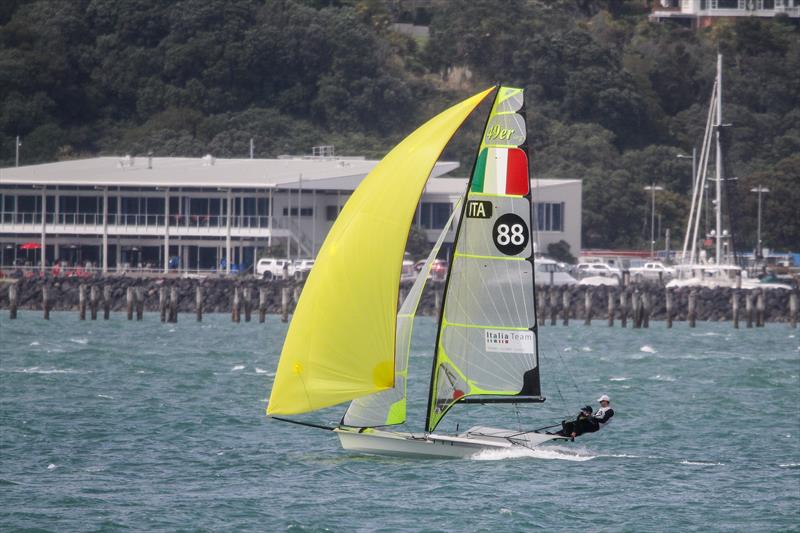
[(584, 270), (652, 270), (438, 269), (302, 267), (274, 268), (548, 269), (408, 272)]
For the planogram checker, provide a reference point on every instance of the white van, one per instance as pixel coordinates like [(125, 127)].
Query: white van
[(274, 268)]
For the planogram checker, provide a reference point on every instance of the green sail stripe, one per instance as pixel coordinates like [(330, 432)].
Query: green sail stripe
[(499, 258), (483, 326), (480, 172)]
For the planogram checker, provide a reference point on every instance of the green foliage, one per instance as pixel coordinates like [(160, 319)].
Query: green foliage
[(560, 252), (611, 97), (417, 245)]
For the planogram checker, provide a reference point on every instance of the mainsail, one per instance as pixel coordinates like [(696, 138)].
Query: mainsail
[(486, 348), (388, 407), (341, 341)]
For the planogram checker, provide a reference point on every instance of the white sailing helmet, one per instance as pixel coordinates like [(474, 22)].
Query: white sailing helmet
[(604, 398)]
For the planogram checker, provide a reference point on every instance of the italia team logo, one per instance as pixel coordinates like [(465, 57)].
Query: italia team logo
[(509, 341)]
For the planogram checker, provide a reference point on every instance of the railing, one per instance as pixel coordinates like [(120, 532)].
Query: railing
[(116, 219), (78, 271)]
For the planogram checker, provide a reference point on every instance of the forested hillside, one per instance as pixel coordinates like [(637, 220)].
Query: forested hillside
[(611, 97)]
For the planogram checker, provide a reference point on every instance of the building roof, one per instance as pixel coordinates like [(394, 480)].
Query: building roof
[(456, 185), (326, 173)]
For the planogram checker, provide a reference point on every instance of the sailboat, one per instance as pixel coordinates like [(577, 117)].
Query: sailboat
[(348, 342), (694, 268)]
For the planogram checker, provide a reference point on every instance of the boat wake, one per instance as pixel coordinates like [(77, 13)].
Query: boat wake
[(561, 453)]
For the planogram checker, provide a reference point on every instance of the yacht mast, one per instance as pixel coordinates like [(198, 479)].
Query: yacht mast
[(718, 165)]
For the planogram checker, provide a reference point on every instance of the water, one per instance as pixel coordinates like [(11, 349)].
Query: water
[(150, 426)]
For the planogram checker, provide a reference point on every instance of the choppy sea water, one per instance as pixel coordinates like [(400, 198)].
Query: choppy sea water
[(150, 426)]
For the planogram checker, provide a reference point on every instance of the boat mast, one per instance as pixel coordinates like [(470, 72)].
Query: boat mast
[(719, 161), (452, 258)]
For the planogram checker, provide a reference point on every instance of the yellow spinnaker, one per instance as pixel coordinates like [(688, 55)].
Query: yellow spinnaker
[(341, 341)]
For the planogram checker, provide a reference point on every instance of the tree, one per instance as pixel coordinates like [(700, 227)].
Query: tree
[(560, 252)]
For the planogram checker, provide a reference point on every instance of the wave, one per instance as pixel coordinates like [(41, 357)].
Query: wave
[(790, 465), (647, 349), (35, 343), (237, 367), (262, 371), (659, 377), (617, 379), (699, 463), (105, 396), (540, 452), (37, 370), (79, 341)]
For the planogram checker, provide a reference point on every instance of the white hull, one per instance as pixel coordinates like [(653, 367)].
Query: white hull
[(432, 445)]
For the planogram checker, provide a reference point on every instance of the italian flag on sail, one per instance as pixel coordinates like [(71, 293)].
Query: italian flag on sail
[(501, 171)]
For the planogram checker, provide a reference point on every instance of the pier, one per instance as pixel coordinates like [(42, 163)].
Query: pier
[(612, 306)]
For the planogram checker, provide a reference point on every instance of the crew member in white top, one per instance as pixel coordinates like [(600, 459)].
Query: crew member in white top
[(604, 414)]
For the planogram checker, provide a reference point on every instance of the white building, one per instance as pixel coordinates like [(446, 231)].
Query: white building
[(172, 213), (701, 13)]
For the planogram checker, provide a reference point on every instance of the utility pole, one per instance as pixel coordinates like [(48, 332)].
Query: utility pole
[(653, 188), (759, 249), (17, 144)]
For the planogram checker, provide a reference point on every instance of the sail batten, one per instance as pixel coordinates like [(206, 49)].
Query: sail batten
[(486, 343), (341, 341)]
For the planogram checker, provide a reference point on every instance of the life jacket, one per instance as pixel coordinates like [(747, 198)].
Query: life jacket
[(604, 415)]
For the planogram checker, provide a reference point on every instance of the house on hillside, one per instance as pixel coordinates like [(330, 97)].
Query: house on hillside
[(702, 13)]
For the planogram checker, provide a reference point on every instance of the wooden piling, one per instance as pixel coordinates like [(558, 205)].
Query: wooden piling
[(692, 311), (668, 303), (198, 302), (129, 302), (623, 308), (93, 301), (139, 303), (285, 304), (162, 303), (248, 304), (636, 304), (106, 302), (553, 306), (793, 309), (262, 304), (646, 308), (46, 301), (235, 305), (611, 302), (541, 309), (760, 309), (735, 308), (82, 302), (587, 303), (12, 301), (296, 295), (566, 296), (173, 304), (748, 308)]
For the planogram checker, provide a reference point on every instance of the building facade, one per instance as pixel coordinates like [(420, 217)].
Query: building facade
[(199, 215), (701, 13)]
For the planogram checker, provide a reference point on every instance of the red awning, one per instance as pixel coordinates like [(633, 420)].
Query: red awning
[(30, 246)]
